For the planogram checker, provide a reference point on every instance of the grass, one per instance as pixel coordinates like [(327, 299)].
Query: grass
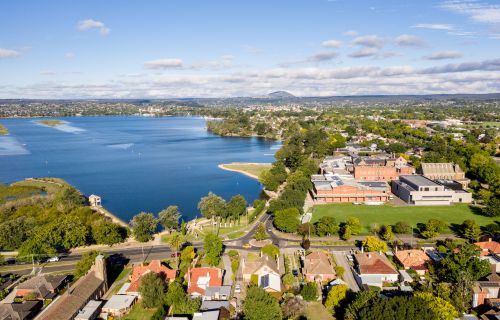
[(120, 280), (50, 123), (253, 169), (316, 311), (51, 185), (389, 215), (3, 130), (139, 313), (235, 235)]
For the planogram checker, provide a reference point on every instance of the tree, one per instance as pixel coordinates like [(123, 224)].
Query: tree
[(260, 233), (179, 302), (354, 224), (13, 233), (463, 259), (143, 226), (310, 291), (152, 290), (339, 271), (336, 295), (236, 207), (492, 208), (212, 247), (175, 241), (287, 220), (289, 280), (471, 230), (345, 232), (402, 227), (442, 308), (108, 233), (362, 300), (212, 206), (387, 234), (169, 218), (326, 226), (433, 228), (36, 249), (85, 263), (373, 244), (293, 307), (271, 250), (187, 256), (260, 305)]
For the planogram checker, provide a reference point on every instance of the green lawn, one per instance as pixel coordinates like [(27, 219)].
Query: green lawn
[(139, 313), (387, 214), (316, 311)]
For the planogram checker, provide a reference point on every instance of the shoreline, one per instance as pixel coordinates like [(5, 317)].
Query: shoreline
[(223, 166)]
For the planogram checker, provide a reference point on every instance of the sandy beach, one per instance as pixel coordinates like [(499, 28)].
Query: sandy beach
[(224, 166)]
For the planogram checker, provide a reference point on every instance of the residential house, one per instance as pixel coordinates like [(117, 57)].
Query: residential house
[(489, 247), (26, 310), (419, 190), (94, 200), (138, 271), (217, 293), (265, 270), (199, 279), (89, 287), (318, 267), (119, 305), (373, 269), (445, 171), (41, 286), (413, 259), (483, 290)]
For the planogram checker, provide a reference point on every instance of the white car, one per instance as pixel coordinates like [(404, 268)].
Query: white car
[(237, 288), (53, 259)]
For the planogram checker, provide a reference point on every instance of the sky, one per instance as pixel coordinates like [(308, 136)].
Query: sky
[(225, 48)]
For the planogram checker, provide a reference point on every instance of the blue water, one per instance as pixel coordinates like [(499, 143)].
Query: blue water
[(134, 163)]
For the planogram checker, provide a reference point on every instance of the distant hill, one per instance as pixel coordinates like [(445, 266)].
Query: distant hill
[(280, 95)]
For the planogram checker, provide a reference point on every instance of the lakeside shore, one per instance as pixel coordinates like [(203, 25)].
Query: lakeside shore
[(249, 169)]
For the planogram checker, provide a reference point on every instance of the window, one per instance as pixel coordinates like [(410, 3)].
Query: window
[(426, 189)]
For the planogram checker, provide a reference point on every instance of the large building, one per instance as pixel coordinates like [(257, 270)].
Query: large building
[(445, 171), (381, 169), (419, 190), (335, 188)]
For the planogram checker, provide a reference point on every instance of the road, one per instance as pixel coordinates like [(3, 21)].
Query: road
[(348, 277)]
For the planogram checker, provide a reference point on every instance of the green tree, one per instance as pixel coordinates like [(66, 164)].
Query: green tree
[(402, 227), (212, 206), (236, 207), (212, 247), (336, 295), (387, 234), (289, 280), (293, 308), (339, 271), (36, 249), (143, 226), (433, 228), (310, 291), (441, 308), (169, 218), (260, 232), (13, 233), (345, 232), (271, 250), (179, 302), (152, 290), (326, 226), (373, 244), (354, 224), (187, 256), (108, 233), (471, 230), (464, 259), (175, 240), (260, 305), (85, 263), (492, 208), (287, 220)]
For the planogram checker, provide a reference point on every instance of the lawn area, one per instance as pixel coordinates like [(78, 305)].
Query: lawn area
[(250, 169), (236, 234), (316, 311), (139, 313), (388, 215)]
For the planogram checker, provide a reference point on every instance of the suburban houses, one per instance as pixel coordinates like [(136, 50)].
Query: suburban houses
[(318, 267), (374, 269)]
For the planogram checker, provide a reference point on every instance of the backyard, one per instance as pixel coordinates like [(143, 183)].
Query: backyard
[(389, 215)]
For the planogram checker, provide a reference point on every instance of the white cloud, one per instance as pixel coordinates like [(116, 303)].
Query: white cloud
[(475, 10), (323, 56), (8, 53), (159, 64), (90, 24), (364, 52), (372, 41), (444, 55), (408, 40), (332, 43), (434, 26), (350, 33)]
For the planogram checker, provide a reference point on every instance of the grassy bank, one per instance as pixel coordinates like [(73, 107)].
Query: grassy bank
[(3, 130), (50, 123), (252, 170), (388, 215)]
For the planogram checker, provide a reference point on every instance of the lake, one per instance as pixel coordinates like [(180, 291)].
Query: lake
[(134, 163)]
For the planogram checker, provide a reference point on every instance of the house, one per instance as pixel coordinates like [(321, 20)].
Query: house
[(119, 305), (217, 293), (494, 261), (446, 171), (214, 305), (419, 190), (373, 269), (265, 270), (199, 279), (90, 311), (154, 266), (488, 247), (318, 267), (89, 287), (94, 201), (330, 188), (41, 286), (483, 290), (413, 259), (207, 315), (26, 310)]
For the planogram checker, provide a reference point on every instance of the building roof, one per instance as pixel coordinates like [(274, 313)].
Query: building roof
[(221, 291), (317, 263), (206, 315), (440, 168), (154, 266), (213, 305), (419, 180), (119, 302), (252, 267), (412, 258), (201, 278), (89, 310), (374, 263), (43, 284), (18, 311), (270, 281), (488, 247)]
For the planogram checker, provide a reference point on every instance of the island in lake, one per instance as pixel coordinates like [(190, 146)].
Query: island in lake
[(51, 123), (3, 130)]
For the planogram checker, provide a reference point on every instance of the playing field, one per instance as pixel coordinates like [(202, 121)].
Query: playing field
[(389, 215)]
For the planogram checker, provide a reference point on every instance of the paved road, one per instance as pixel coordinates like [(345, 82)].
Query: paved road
[(348, 277)]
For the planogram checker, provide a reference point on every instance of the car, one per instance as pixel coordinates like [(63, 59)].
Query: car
[(53, 259), (295, 272), (237, 288), (175, 254), (269, 229), (247, 246)]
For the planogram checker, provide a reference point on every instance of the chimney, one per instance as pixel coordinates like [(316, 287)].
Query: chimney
[(100, 269), (489, 239), (369, 255)]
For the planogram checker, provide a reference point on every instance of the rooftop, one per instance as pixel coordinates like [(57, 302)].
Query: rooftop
[(374, 263), (419, 180), (119, 301)]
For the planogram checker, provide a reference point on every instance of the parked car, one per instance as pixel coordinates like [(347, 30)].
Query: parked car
[(295, 272), (173, 255), (237, 288), (53, 259), (247, 246)]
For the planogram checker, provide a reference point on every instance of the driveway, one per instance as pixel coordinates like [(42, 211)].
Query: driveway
[(348, 277), (228, 275)]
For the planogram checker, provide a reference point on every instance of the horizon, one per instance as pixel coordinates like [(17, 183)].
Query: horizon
[(221, 49)]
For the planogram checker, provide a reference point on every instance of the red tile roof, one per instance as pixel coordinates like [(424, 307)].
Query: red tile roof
[(415, 259), (488, 247), (374, 263), (154, 266), (214, 275)]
